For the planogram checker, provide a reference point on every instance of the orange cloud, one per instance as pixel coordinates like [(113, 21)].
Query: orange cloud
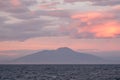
[(95, 24), (108, 29), (15, 2), (88, 16)]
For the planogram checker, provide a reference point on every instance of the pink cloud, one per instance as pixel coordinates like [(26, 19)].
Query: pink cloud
[(88, 16), (49, 6), (94, 24), (16, 3)]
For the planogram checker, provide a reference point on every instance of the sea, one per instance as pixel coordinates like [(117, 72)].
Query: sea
[(60, 72)]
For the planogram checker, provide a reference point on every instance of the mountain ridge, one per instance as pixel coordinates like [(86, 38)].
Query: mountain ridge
[(62, 55)]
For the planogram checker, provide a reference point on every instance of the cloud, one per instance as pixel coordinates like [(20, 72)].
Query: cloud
[(72, 1), (15, 3), (48, 6), (58, 13), (97, 2), (19, 33), (19, 23), (2, 20), (29, 9), (25, 16), (94, 25), (26, 30), (33, 18), (16, 8), (106, 2)]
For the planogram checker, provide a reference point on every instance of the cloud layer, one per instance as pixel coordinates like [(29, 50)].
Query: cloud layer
[(24, 19), (97, 2)]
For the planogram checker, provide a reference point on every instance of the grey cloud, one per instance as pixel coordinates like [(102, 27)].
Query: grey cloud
[(23, 11), (71, 1), (28, 2), (21, 31), (2, 20), (60, 13), (32, 25), (86, 35), (25, 16), (26, 30), (117, 14), (97, 2), (106, 2), (54, 13), (14, 10), (37, 14), (5, 5)]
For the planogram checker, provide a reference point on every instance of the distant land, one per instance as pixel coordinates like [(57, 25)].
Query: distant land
[(62, 55)]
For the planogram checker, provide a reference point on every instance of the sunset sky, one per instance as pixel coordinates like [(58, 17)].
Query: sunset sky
[(49, 24)]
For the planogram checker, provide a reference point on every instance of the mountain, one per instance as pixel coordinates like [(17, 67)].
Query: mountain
[(59, 56)]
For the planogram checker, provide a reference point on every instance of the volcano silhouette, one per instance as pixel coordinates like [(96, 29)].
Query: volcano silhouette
[(62, 55)]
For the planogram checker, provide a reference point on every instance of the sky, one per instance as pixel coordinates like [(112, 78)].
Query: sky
[(29, 25)]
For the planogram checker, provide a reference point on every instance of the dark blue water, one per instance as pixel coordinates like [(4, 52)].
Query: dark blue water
[(59, 72)]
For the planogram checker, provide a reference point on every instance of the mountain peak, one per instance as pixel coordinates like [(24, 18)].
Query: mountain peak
[(64, 48)]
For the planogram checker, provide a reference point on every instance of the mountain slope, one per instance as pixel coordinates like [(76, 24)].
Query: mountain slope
[(59, 56)]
